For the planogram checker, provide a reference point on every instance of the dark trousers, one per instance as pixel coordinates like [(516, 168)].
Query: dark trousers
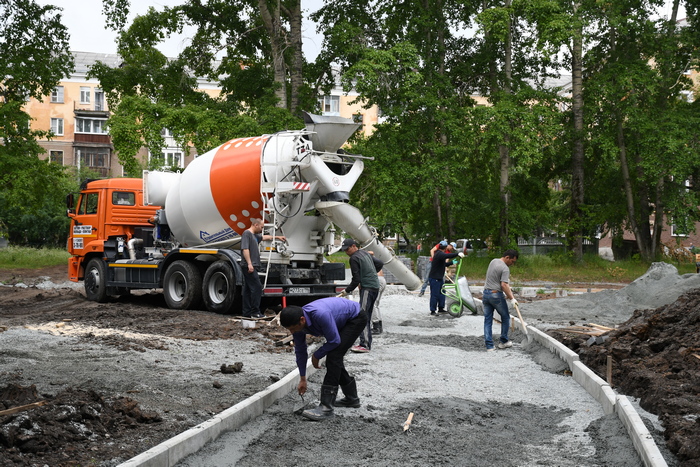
[(252, 292), (336, 374), (367, 299), (437, 299)]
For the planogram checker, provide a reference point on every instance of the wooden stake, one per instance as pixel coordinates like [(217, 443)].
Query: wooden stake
[(407, 424), (22, 408), (609, 371)]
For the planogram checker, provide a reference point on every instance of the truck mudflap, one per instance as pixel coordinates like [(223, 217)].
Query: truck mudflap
[(303, 290)]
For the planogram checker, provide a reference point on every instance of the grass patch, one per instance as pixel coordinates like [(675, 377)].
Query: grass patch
[(560, 269), (13, 257)]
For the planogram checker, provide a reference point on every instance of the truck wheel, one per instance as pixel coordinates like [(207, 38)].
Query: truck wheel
[(182, 286), (455, 308), (219, 289), (96, 280)]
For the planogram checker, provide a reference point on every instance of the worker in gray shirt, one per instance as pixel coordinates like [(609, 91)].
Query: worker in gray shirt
[(497, 296), (364, 268)]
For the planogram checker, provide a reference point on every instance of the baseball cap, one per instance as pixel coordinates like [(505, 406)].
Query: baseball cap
[(347, 243), (443, 243), (454, 245)]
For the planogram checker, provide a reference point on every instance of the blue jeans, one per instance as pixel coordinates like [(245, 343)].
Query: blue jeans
[(437, 299), (426, 279), (495, 301)]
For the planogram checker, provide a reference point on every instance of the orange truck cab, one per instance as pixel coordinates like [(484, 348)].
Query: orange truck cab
[(109, 222)]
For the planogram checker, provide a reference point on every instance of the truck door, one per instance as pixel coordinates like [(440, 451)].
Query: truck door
[(85, 226)]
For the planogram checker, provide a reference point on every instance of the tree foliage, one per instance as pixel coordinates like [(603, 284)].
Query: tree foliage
[(35, 56)]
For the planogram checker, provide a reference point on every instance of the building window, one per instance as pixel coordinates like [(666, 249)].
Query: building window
[(57, 95), (330, 105), (90, 125), (92, 157), (84, 95), (56, 157), (57, 126), (173, 158), (99, 99), (680, 227)]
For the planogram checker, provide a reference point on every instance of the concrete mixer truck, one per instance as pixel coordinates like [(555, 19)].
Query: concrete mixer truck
[(181, 232)]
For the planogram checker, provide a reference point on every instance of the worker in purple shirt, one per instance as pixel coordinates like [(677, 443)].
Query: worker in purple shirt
[(340, 321)]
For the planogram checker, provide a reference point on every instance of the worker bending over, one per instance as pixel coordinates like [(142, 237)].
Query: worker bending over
[(340, 321)]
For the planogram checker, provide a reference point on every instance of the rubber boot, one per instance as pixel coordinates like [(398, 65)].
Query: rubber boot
[(350, 399), (325, 408)]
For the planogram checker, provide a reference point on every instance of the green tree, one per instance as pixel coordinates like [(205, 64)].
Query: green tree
[(643, 124), (35, 57), (232, 46), (444, 166)]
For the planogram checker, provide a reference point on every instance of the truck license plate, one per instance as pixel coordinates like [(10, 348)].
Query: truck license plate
[(299, 290)]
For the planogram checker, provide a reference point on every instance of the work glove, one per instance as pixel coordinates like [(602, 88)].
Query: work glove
[(512, 302), (460, 254), (342, 294)]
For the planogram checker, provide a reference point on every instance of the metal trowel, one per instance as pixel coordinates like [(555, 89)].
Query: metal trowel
[(302, 405)]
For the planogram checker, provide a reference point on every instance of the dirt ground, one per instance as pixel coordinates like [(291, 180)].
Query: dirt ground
[(131, 404), (656, 358)]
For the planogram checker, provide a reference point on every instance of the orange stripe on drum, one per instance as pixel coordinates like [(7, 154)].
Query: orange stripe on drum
[(235, 181)]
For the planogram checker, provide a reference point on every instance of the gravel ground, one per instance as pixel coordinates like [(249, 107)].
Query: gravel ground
[(513, 407)]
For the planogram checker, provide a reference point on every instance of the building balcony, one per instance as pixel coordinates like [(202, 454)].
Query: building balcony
[(92, 138)]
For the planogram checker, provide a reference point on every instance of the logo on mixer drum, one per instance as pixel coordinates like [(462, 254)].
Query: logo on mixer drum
[(336, 181)]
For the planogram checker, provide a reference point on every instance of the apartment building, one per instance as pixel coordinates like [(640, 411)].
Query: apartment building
[(76, 112)]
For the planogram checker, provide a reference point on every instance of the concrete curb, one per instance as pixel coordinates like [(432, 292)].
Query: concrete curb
[(601, 391), (173, 450)]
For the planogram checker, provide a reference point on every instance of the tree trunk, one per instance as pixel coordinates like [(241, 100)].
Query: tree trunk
[(296, 78), (504, 148), (575, 236), (632, 212), (438, 212), (273, 26)]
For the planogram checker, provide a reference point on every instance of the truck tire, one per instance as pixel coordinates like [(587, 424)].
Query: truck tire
[(219, 287), (95, 280), (182, 286)]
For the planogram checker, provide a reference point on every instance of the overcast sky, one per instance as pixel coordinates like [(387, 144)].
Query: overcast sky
[(85, 23), (88, 34)]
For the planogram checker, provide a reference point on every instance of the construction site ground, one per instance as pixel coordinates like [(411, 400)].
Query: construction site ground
[(96, 384)]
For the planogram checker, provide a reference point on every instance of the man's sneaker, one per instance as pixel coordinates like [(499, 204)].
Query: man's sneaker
[(359, 349), (490, 350), (433, 312), (421, 294), (257, 315), (442, 310), (505, 345)]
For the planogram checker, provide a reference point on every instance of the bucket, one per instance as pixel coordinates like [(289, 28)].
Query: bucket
[(248, 323)]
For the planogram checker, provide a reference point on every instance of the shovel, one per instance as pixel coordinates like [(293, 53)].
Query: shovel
[(520, 317)]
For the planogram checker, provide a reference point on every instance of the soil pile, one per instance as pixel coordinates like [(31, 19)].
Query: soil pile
[(74, 427), (656, 358)]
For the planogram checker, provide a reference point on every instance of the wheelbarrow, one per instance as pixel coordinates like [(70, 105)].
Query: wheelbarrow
[(457, 294)]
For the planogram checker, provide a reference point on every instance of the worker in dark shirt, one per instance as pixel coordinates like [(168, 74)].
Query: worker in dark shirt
[(437, 278), (340, 321), (364, 268)]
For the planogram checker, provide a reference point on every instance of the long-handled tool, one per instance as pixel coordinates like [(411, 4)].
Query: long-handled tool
[(520, 317)]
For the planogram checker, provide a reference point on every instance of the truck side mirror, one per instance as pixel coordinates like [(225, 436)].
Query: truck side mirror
[(70, 204)]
